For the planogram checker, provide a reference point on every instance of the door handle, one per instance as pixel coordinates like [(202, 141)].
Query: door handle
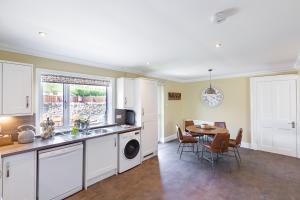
[(125, 100), (293, 124)]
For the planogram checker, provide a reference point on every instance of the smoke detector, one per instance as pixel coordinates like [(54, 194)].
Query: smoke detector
[(218, 18), (221, 16)]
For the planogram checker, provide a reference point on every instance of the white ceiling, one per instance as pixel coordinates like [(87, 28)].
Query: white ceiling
[(176, 37)]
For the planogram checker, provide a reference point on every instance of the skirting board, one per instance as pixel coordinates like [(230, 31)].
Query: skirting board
[(174, 137), (168, 138)]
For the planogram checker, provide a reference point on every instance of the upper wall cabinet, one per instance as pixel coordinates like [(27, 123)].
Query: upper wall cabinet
[(16, 89), (125, 93)]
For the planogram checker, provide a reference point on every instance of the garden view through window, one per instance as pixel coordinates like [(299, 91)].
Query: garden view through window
[(65, 103)]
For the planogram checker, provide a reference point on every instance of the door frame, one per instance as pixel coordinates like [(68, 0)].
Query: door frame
[(253, 106)]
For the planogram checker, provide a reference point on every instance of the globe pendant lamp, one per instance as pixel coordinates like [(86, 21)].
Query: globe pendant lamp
[(210, 90)]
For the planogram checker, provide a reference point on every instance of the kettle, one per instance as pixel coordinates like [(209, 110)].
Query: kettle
[(26, 133)]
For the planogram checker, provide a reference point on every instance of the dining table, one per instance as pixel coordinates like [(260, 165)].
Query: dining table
[(197, 130)]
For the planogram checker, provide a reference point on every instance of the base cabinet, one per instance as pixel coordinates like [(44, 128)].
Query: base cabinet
[(19, 177), (101, 158)]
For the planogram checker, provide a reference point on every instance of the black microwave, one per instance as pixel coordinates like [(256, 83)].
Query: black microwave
[(124, 116)]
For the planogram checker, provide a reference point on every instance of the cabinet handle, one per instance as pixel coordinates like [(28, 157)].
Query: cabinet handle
[(143, 126), (293, 124), (115, 142), (125, 100), (27, 101), (143, 112), (7, 170)]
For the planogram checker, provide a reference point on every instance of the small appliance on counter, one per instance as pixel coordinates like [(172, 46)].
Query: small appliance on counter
[(125, 117), (26, 133)]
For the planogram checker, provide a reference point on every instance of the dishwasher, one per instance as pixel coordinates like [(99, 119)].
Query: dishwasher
[(60, 171)]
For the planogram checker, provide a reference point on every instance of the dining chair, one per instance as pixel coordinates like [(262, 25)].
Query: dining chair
[(218, 145), (236, 143), (185, 141), (188, 123), (220, 124)]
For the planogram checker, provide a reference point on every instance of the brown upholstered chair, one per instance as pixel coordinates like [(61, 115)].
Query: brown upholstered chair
[(188, 123), (185, 141), (218, 145), (220, 124), (236, 143)]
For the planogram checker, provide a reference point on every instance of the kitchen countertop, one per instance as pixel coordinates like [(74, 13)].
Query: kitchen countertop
[(62, 139)]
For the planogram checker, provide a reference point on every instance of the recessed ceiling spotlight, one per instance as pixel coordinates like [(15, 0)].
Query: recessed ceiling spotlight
[(218, 45), (42, 34), (148, 63)]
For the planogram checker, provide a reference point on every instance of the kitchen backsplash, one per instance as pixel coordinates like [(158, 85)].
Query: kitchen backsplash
[(9, 124)]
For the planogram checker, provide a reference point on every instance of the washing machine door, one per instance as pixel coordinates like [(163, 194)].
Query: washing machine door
[(132, 149)]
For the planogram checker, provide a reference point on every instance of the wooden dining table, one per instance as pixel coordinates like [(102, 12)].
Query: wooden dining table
[(198, 131)]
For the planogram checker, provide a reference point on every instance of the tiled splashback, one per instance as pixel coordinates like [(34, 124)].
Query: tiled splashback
[(9, 124)]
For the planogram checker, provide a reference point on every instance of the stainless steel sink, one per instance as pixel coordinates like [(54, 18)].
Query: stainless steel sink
[(97, 131)]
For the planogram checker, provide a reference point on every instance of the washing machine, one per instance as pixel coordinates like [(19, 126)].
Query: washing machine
[(129, 150)]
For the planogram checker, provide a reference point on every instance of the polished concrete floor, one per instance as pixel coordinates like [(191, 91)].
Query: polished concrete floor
[(261, 175)]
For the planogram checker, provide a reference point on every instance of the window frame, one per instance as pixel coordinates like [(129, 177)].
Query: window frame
[(110, 98)]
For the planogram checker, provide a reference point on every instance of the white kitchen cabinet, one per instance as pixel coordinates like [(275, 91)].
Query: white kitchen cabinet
[(19, 176), (147, 115), (101, 158), (125, 93), (1, 68), (16, 89)]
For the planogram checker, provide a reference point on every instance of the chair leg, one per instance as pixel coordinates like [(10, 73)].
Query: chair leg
[(212, 159), (237, 160), (178, 147), (238, 153), (181, 151)]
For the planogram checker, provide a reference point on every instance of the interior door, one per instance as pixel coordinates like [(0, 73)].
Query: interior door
[(276, 116)]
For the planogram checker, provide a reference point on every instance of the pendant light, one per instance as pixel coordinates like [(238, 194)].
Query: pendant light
[(210, 89)]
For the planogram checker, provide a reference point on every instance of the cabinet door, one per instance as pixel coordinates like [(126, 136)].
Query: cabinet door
[(17, 89), (101, 158), (129, 93), (1, 67), (149, 100), (19, 175), (149, 138)]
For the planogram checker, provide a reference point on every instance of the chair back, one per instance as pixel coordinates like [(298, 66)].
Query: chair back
[(239, 136), (220, 142), (220, 124), (179, 132), (188, 123)]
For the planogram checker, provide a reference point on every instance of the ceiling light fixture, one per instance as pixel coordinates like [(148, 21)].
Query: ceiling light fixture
[(42, 34), (148, 63), (210, 89)]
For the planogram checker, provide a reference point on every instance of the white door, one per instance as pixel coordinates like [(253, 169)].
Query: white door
[(101, 158), (19, 177), (276, 112), (17, 89)]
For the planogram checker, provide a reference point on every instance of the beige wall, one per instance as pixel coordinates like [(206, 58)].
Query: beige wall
[(235, 109), (172, 116)]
